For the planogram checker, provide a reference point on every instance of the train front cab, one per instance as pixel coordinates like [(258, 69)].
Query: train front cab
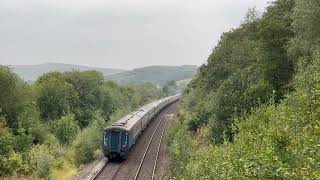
[(115, 143)]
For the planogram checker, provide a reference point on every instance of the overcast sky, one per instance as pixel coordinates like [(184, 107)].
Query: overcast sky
[(116, 33)]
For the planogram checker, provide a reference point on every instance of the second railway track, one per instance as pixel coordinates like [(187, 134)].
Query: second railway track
[(142, 161)]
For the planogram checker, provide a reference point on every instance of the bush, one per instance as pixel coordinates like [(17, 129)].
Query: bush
[(88, 141), (43, 158), (10, 162), (180, 149), (41, 161), (65, 129)]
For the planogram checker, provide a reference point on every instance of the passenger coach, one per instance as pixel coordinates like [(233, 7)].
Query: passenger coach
[(123, 134)]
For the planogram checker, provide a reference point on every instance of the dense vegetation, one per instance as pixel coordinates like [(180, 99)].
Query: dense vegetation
[(31, 73), (158, 75), (253, 111), (58, 120)]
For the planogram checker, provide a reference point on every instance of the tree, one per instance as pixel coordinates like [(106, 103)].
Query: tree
[(252, 16), (10, 161), (65, 129), (306, 26), (55, 97), (87, 86), (29, 119), (275, 33), (6, 138), (13, 95)]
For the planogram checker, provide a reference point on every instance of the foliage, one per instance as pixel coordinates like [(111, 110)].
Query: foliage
[(88, 141), (179, 151), (86, 84), (274, 142), (13, 95), (82, 93), (306, 27), (55, 97), (248, 67), (258, 96), (10, 162), (275, 33), (29, 119), (41, 123), (44, 157), (65, 129)]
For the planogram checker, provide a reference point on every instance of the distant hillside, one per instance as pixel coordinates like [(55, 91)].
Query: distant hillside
[(32, 72), (158, 75)]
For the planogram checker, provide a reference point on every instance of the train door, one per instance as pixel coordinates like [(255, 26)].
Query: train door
[(106, 138), (124, 142), (115, 137)]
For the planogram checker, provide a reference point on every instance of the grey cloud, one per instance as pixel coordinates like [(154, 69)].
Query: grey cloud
[(115, 33)]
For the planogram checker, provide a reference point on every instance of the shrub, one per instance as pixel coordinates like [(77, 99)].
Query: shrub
[(180, 149), (10, 162), (88, 141), (65, 129), (43, 158)]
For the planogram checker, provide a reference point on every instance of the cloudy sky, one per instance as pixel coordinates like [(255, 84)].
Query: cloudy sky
[(116, 33)]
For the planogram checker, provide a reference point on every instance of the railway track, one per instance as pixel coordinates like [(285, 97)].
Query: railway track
[(148, 147), (137, 166)]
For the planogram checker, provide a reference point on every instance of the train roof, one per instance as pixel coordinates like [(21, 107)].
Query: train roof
[(127, 122)]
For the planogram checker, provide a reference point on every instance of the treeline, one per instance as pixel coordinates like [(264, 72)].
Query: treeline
[(252, 112), (59, 118)]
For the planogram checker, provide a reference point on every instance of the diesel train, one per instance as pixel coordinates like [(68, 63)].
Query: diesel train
[(122, 135)]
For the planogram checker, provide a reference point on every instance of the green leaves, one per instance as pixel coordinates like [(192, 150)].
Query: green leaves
[(61, 112), (10, 162), (306, 26), (13, 96), (65, 129), (259, 94), (55, 97), (276, 141)]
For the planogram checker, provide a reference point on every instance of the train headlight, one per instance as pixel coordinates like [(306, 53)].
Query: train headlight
[(123, 146), (106, 142)]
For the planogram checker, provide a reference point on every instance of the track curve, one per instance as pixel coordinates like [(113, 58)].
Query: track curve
[(142, 160)]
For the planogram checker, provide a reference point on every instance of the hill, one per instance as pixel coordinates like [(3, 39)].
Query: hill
[(158, 75), (32, 72)]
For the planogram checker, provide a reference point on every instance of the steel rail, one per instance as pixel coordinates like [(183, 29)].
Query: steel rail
[(114, 174), (148, 146), (158, 150)]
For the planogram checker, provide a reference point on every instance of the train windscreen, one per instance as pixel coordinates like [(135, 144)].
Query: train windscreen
[(115, 137)]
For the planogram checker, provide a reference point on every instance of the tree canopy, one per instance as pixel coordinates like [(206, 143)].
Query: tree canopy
[(61, 114), (251, 112)]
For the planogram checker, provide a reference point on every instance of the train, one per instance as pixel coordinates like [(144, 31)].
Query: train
[(120, 137)]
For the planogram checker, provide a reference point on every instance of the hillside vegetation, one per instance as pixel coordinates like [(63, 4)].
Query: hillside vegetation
[(158, 75), (56, 123), (31, 73), (253, 111)]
